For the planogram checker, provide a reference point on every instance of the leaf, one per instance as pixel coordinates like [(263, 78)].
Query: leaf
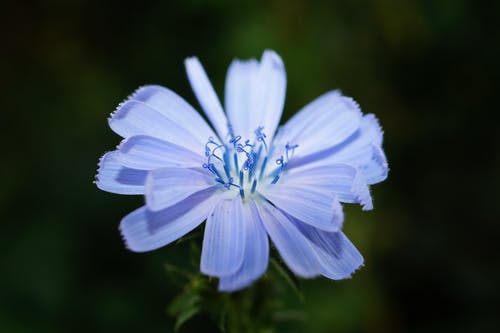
[(184, 307), (184, 316), (183, 302)]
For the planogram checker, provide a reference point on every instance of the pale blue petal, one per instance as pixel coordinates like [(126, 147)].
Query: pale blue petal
[(362, 150), (207, 97), (240, 99), (295, 249), (115, 178), (345, 181), (324, 123), (338, 257), (378, 169), (314, 205), (137, 118), (175, 108), (256, 255), (224, 239), (255, 95), (167, 186), (270, 93), (357, 150), (144, 230), (148, 153)]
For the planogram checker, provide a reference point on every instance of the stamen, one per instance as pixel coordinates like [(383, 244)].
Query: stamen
[(229, 183), (235, 157), (212, 169), (262, 168), (252, 170), (214, 150), (242, 192), (235, 140), (281, 165), (227, 164), (261, 136), (288, 147)]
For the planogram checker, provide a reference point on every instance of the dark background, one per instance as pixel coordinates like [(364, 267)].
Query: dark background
[(427, 69)]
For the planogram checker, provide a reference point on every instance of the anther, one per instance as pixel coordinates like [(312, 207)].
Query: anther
[(262, 168), (254, 184), (236, 166)]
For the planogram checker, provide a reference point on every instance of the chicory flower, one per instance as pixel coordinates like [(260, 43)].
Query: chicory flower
[(246, 179)]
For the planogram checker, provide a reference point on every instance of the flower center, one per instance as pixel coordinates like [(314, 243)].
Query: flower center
[(243, 164)]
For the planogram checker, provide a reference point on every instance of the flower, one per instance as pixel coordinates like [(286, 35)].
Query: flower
[(246, 180)]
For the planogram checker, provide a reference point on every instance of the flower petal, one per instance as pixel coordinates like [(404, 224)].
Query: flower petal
[(345, 181), (295, 249), (175, 108), (115, 178), (147, 153), (326, 122), (138, 118), (255, 95), (224, 239), (310, 204), (144, 230), (166, 187), (271, 92), (256, 254), (362, 150), (207, 97), (241, 83), (378, 169), (338, 257)]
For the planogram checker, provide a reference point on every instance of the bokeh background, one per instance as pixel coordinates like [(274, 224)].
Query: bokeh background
[(428, 69)]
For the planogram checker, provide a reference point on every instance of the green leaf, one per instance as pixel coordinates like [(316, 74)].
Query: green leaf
[(184, 307), (183, 302), (184, 316)]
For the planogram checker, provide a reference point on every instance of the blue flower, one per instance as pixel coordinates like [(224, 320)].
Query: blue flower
[(247, 180)]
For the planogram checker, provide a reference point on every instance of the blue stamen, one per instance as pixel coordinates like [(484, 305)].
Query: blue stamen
[(229, 183), (214, 150), (212, 169), (288, 147), (261, 136), (226, 162), (236, 166), (254, 184), (235, 140), (263, 166)]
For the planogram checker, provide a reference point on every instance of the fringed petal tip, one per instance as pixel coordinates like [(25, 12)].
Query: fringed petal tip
[(378, 170), (113, 177), (346, 277), (375, 123), (133, 96)]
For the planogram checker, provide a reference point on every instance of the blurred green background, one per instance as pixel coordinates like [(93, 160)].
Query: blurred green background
[(428, 70)]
